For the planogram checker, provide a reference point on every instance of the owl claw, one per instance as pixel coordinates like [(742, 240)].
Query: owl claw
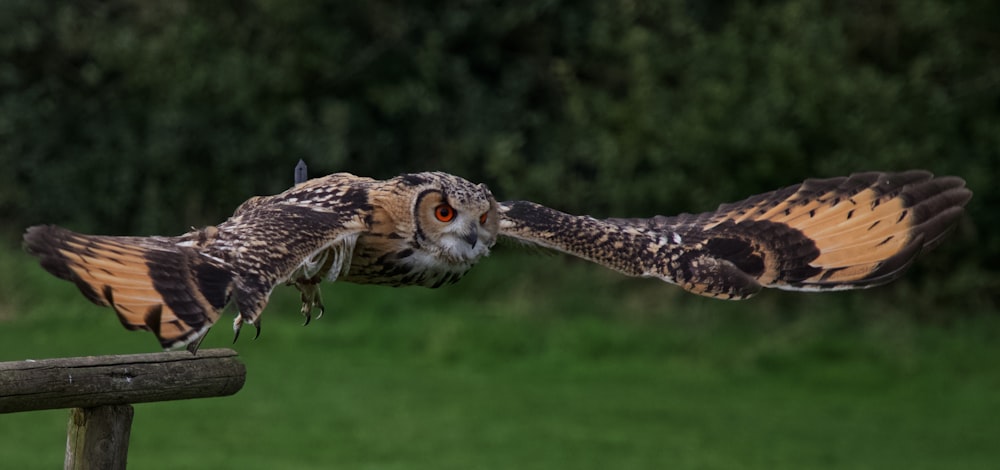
[(307, 308), (238, 325), (322, 310), (311, 299)]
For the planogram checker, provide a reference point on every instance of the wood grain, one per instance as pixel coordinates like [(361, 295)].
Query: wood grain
[(86, 382)]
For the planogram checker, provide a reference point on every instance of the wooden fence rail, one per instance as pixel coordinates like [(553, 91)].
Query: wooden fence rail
[(101, 389)]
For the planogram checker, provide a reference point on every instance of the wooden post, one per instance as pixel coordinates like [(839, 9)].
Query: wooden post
[(97, 438), (100, 390)]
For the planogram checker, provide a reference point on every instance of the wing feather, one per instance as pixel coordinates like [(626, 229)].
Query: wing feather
[(177, 287), (823, 234), (136, 276)]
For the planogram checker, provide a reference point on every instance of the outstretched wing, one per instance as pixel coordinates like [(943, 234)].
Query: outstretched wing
[(824, 234), (176, 287)]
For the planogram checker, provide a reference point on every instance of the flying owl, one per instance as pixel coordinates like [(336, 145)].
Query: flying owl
[(429, 229)]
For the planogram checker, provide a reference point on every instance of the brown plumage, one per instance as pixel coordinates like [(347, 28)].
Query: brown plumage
[(824, 234), (428, 229)]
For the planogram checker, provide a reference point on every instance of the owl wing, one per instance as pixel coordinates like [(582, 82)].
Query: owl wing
[(177, 287), (152, 283), (824, 234)]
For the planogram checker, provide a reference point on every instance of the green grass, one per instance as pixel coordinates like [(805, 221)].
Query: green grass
[(562, 366)]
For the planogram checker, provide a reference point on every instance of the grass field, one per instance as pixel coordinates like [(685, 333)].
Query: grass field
[(563, 365)]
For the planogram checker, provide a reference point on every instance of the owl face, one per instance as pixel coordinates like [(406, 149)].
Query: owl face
[(455, 219)]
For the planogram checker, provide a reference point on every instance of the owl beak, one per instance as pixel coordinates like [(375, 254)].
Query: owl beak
[(472, 237)]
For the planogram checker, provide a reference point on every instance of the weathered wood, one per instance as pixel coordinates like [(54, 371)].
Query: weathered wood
[(97, 438), (86, 382)]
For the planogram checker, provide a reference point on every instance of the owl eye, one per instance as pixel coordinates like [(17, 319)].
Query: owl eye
[(444, 213), (482, 218)]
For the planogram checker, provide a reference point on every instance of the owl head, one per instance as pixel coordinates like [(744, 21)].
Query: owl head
[(455, 220)]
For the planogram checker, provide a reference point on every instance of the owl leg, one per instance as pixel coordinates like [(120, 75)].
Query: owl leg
[(311, 298)]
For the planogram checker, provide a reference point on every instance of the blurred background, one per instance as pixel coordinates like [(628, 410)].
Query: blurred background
[(134, 117)]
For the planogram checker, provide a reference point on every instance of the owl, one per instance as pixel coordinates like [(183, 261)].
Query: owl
[(429, 229)]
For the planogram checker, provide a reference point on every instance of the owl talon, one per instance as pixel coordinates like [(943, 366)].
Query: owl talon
[(322, 310), (307, 311), (311, 299), (237, 325)]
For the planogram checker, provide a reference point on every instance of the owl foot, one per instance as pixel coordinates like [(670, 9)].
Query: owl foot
[(311, 299), (238, 325)]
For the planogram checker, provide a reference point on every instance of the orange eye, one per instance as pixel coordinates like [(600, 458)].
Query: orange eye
[(444, 213), (482, 218)]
